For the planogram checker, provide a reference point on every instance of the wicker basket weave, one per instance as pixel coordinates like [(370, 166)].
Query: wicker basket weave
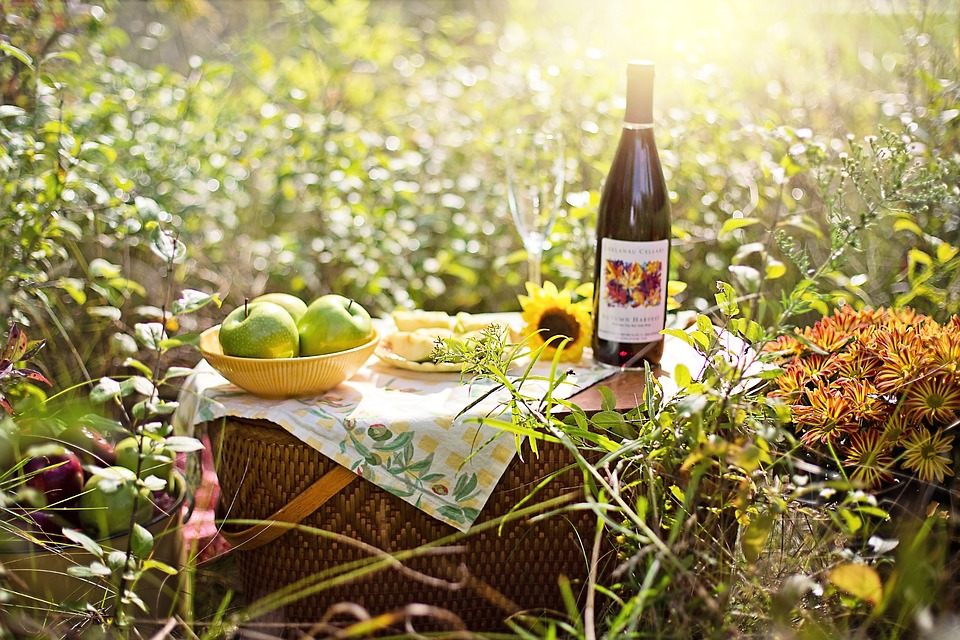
[(262, 467)]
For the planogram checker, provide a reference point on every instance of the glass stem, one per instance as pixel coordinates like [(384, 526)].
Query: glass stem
[(533, 267)]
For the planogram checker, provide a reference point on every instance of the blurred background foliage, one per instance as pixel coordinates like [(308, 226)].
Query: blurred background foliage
[(353, 146)]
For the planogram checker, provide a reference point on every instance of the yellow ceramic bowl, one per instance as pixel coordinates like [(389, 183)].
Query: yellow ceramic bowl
[(285, 377)]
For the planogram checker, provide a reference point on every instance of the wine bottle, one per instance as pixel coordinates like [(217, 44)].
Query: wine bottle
[(633, 239)]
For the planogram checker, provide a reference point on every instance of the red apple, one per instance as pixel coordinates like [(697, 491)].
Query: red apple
[(54, 471)]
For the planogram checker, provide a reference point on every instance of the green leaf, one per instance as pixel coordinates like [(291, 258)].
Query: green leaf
[(608, 399), (876, 512), (112, 313), (141, 542), (149, 334), (612, 421), (74, 288), (182, 340), (9, 110), (679, 333), (72, 56), (19, 54), (853, 521), (100, 268), (751, 330), (182, 444), (727, 299), (139, 366), (754, 537), (106, 389), (116, 559), (95, 570), (169, 248), (177, 372), (140, 384), (768, 373), (858, 580), (677, 493), (705, 324), (732, 224), (160, 566), (85, 541), (191, 300)]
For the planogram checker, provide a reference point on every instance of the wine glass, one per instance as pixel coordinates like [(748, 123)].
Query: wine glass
[(535, 178)]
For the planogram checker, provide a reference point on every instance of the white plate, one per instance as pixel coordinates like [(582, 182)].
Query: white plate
[(386, 354)]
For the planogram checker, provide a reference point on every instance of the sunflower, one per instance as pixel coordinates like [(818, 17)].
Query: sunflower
[(925, 454), (550, 314)]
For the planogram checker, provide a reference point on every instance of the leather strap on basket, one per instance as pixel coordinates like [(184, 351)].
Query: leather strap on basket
[(293, 512)]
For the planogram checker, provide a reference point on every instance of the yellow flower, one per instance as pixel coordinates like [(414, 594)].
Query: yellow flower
[(549, 313), (869, 454), (928, 454), (936, 399)]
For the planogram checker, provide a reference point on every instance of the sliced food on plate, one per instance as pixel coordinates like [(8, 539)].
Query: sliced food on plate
[(410, 346)]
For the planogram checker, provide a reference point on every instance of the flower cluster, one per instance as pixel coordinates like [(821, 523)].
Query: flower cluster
[(633, 284), (878, 388)]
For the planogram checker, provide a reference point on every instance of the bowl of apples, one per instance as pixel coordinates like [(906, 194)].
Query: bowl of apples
[(277, 346)]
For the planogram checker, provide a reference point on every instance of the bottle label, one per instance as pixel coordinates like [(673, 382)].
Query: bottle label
[(632, 290)]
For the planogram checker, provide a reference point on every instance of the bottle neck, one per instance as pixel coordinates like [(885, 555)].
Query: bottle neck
[(639, 110), (637, 126)]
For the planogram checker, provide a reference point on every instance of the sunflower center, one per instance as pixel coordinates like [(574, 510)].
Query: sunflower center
[(934, 401), (556, 322)]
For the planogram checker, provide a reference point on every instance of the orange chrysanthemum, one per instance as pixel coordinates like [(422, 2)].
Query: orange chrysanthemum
[(871, 458), (827, 418), (927, 454), (882, 395), (934, 399)]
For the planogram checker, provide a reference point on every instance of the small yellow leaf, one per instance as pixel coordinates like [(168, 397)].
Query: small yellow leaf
[(908, 224), (916, 256), (681, 375), (732, 224), (946, 252), (858, 580), (775, 269), (754, 537)]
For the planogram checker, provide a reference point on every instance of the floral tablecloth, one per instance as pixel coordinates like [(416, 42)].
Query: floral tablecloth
[(394, 427)]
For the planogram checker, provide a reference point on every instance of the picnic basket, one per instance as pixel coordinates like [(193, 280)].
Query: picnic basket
[(263, 469)]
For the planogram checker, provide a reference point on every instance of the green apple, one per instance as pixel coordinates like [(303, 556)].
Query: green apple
[(108, 500), (157, 461), (262, 330), (333, 323), (294, 305)]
